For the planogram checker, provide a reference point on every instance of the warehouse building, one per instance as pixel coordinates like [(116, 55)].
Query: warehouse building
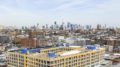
[(56, 57)]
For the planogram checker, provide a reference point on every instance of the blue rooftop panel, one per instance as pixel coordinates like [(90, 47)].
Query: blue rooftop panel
[(91, 47), (51, 55), (24, 51)]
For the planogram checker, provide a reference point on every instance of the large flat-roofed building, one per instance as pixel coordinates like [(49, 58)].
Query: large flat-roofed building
[(56, 57)]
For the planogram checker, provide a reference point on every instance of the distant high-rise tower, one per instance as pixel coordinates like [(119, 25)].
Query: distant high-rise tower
[(46, 26), (69, 25), (98, 26), (88, 27), (55, 25)]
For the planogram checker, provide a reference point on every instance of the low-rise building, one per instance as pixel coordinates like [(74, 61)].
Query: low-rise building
[(56, 57)]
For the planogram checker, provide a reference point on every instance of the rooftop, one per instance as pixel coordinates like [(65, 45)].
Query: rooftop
[(56, 53), (61, 53)]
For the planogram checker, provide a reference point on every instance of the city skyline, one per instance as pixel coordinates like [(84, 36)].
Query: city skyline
[(85, 12)]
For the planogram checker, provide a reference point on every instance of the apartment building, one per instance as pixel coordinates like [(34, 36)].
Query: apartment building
[(57, 57)]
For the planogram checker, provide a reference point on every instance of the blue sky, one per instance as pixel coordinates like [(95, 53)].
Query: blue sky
[(30, 12)]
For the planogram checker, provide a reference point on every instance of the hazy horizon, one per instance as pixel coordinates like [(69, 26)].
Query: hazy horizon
[(84, 12)]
